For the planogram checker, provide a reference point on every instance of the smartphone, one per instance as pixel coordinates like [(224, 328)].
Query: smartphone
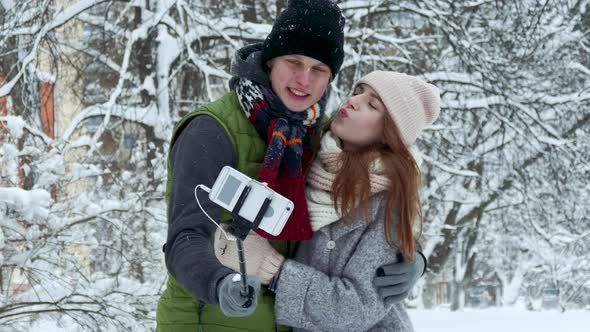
[(229, 186)]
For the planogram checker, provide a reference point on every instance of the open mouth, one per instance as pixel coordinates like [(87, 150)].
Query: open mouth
[(298, 93), (342, 113)]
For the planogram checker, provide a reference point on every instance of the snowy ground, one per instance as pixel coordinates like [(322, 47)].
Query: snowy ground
[(442, 320), (504, 320)]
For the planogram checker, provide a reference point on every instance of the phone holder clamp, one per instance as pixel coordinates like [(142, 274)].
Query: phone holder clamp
[(240, 227)]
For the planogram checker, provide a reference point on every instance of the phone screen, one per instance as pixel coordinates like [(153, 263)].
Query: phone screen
[(230, 187)]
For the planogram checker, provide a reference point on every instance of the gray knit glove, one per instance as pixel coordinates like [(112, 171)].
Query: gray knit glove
[(231, 302), (395, 281)]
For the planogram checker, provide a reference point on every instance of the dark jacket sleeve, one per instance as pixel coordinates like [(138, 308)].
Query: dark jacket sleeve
[(197, 156)]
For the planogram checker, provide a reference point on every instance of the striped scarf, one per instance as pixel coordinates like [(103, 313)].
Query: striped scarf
[(288, 136)]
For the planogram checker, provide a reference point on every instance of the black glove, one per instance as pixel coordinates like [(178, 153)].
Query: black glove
[(394, 281), (231, 302)]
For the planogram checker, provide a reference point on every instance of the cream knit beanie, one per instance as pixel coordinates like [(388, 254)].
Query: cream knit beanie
[(412, 103)]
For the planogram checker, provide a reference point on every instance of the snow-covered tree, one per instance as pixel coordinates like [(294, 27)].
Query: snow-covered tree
[(516, 119)]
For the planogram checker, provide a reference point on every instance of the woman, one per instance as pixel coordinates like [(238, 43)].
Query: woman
[(363, 202)]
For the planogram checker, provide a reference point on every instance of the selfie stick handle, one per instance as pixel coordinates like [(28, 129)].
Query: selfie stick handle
[(240, 229), (244, 292)]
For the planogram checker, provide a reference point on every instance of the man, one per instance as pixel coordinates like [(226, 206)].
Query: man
[(265, 128)]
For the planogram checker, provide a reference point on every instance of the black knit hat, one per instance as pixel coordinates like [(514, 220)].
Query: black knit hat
[(308, 27)]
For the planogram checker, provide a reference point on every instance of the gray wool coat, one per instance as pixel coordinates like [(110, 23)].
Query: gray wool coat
[(328, 286)]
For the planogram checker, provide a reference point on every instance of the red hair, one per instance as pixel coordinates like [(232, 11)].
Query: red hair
[(352, 186)]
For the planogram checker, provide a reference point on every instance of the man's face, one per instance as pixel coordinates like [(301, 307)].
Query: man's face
[(298, 80)]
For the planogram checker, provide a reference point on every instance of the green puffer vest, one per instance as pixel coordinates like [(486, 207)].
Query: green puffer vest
[(178, 310)]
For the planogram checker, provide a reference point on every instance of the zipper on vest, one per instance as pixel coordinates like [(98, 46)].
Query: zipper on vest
[(288, 253), (201, 306)]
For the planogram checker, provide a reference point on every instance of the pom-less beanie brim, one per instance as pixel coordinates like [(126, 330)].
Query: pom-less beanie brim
[(313, 28), (412, 103)]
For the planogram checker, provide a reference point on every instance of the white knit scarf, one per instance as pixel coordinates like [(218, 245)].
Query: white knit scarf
[(321, 175), (323, 172)]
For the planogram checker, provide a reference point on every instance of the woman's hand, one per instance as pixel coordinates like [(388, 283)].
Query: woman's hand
[(395, 281)]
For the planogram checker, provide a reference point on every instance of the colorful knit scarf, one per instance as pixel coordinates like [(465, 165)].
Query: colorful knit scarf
[(288, 136)]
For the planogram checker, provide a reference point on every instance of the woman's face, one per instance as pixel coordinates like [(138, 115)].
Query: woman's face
[(359, 121), (298, 80)]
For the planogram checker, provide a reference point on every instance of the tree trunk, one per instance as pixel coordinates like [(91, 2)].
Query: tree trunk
[(443, 250), (458, 295), (249, 11)]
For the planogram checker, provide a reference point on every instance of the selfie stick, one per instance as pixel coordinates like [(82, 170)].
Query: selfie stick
[(240, 229)]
